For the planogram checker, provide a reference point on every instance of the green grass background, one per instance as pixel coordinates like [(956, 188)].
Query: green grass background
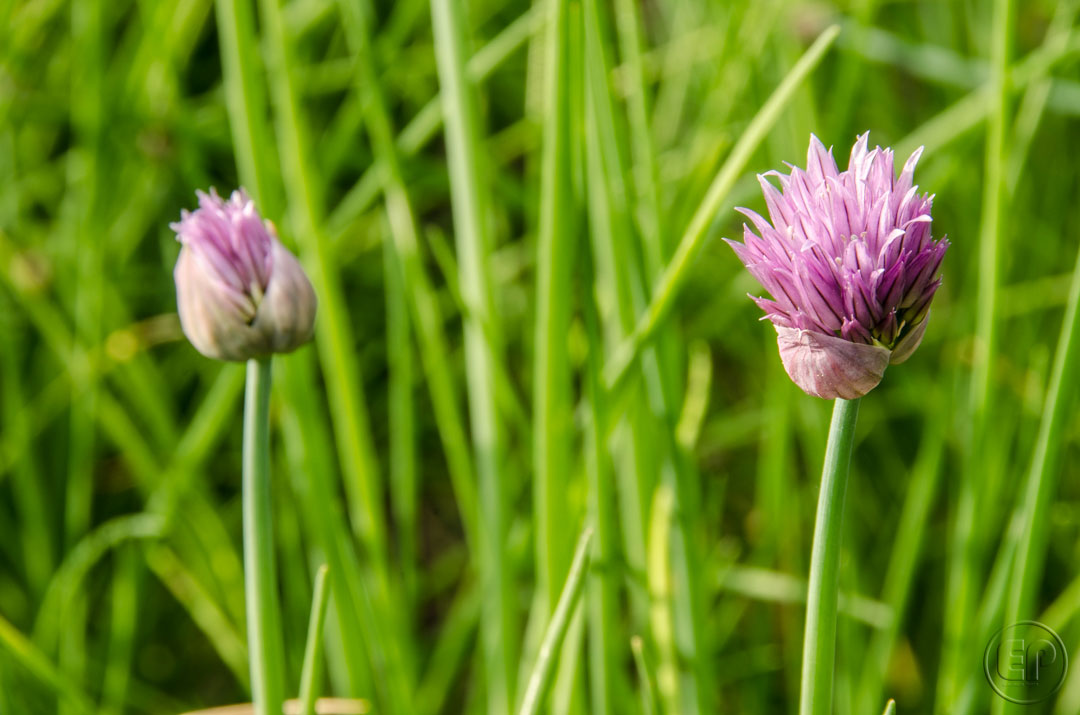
[(478, 391)]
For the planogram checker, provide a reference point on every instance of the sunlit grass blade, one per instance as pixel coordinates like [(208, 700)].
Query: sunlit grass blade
[(1032, 515), (24, 652), (333, 333), (69, 579), (226, 639), (123, 629), (777, 587), (416, 288), (905, 557), (245, 97), (971, 109), (551, 379), (336, 348), (607, 687), (963, 579), (646, 679), (404, 480), (661, 619), (310, 458), (308, 440), (643, 149), (312, 670), (450, 652), (425, 125), (537, 683), (87, 102), (470, 201), (674, 275)]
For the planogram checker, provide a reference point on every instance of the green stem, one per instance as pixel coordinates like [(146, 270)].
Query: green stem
[(819, 643), (470, 200), (551, 382), (536, 688), (674, 275), (266, 651), (312, 671)]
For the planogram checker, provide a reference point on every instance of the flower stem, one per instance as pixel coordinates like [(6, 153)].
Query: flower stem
[(819, 643), (260, 581)]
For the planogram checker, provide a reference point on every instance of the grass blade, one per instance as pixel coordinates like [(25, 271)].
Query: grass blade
[(551, 376), (312, 670), (469, 199), (674, 274), (23, 651), (536, 687)]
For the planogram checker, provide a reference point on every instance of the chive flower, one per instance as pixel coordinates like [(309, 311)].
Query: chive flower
[(850, 264), (240, 293)]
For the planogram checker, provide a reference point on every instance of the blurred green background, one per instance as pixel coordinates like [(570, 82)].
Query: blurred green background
[(584, 152)]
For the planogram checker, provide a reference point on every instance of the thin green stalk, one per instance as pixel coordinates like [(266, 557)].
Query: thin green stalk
[(310, 453), (603, 595), (312, 670), (450, 653), (551, 380), (417, 289), (645, 676), (676, 271), (404, 486), (124, 619), (962, 578), (24, 652), (536, 688), (190, 593), (68, 581), (245, 99), (85, 169), (646, 172), (471, 227), (425, 125), (971, 109), (309, 442), (29, 490), (341, 369), (266, 650), (624, 270), (907, 547), (333, 334), (819, 642), (993, 212), (756, 583), (661, 619), (1032, 518)]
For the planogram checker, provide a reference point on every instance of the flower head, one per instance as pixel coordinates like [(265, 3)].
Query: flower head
[(850, 264), (240, 293)]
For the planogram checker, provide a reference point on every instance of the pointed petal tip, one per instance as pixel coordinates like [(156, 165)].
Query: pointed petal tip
[(909, 343)]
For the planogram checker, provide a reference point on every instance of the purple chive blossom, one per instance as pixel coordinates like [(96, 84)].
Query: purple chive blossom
[(240, 293), (850, 264)]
